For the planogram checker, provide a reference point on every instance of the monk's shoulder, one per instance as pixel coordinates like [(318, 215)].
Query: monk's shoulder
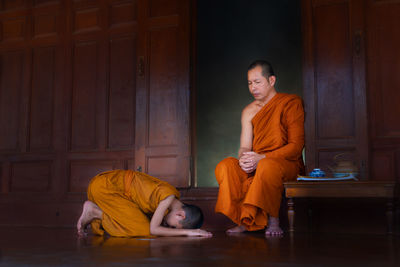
[(288, 99), (250, 110)]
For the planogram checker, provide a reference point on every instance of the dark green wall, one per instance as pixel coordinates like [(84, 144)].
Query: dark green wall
[(230, 35)]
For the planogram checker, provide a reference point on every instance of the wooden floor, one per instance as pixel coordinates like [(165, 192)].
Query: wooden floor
[(61, 247)]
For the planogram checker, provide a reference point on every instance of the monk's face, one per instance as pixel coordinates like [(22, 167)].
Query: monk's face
[(174, 217), (259, 86)]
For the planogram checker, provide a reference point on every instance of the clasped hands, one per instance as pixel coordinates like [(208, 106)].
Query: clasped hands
[(248, 161)]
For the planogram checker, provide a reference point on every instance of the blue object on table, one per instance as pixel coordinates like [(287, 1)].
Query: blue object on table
[(317, 173)]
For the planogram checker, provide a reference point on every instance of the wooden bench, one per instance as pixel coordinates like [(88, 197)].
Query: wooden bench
[(342, 189)]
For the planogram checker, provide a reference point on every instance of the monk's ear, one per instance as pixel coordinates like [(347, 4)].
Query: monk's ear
[(181, 214), (272, 80)]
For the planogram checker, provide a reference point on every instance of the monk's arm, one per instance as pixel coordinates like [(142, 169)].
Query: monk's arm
[(156, 220), (247, 161), (294, 120), (246, 135)]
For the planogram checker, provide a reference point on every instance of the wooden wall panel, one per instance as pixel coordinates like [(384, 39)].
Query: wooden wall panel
[(84, 92), (334, 82), (81, 171), (13, 4), (42, 99), (69, 79), (44, 2), (162, 118), (121, 118), (12, 67), (87, 20), (45, 25), (31, 176), (383, 165), (13, 29), (333, 67), (160, 8), (384, 60), (383, 40), (165, 167), (123, 13), (163, 88)]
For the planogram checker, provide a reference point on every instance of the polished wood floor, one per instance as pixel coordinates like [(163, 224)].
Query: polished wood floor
[(60, 247)]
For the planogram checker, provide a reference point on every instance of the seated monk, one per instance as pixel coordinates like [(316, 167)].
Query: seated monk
[(120, 202), (271, 143)]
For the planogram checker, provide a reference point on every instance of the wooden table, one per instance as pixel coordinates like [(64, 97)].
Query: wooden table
[(342, 189)]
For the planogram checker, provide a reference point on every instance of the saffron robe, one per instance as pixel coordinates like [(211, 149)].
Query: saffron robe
[(128, 199), (278, 133)]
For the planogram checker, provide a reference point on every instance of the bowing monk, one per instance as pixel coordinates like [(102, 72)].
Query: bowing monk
[(125, 203), (270, 153)]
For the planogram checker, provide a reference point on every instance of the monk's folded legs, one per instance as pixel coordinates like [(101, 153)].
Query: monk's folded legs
[(121, 217), (266, 190), (233, 184), (250, 201)]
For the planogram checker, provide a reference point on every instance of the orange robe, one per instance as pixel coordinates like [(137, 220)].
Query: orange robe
[(278, 133), (128, 199)]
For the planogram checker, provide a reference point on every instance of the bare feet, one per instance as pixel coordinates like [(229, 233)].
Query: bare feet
[(273, 228), (90, 212), (236, 229)]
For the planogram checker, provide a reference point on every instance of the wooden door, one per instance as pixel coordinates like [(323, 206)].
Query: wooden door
[(74, 100), (162, 124), (334, 82), (383, 67)]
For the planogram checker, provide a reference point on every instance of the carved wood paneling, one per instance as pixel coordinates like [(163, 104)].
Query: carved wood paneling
[(69, 79), (160, 8), (81, 171), (42, 99), (383, 40), (13, 4), (84, 92), (162, 117), (384, 59), (333, 70), (12, 67), (164, 167), (45, 2), (163, 88), (87, 20), (13, 29), (31, 176), (383, 165), (334, 81), (45, 25), (123, 13), (121, 117)]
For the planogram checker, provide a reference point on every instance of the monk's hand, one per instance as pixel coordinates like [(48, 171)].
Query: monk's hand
[(249, 160), (198, 232)]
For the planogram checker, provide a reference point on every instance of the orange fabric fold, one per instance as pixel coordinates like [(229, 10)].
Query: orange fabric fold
[(278, 133), (128, 199)]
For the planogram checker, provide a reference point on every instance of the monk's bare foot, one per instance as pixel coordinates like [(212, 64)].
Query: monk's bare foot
[(273, 228), (236, 229), (90, 212)]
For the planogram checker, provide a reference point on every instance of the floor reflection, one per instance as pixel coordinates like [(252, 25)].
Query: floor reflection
[(61, 247)]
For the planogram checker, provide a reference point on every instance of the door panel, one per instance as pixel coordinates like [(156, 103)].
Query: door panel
[(121, 96), (42, 99), (162, 129), (334, 100), (334, 83), (12, 69), (383, 40)]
